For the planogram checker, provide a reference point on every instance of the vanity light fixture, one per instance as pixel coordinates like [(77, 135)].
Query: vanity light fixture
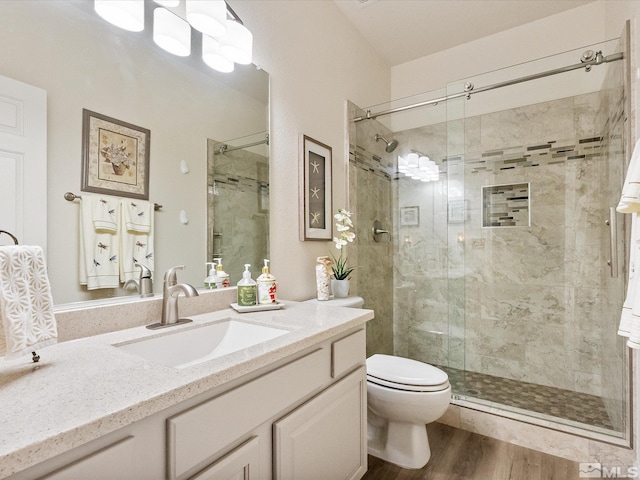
[(168, 3), (207, 16), (418, 167), (213, 57), (225, 39), (126, 14), (171, 33), (237, 43)]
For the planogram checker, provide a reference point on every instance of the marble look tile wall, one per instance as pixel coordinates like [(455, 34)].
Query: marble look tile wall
[(524, 303), (370, 170), (238, 213)]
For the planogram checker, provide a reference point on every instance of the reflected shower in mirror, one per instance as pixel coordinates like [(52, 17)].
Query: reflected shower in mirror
[(238, 203)]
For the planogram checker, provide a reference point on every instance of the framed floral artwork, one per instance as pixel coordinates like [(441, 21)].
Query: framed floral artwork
[(115, 156), (410, 216), (315, 190)]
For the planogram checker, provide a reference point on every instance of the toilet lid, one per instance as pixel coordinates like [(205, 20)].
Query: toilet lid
[(405, 374)]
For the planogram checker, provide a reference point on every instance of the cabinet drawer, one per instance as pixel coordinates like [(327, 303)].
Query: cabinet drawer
[(196, 436), (348, 352), (114, 461)]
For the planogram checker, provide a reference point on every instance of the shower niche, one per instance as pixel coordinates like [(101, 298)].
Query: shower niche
[(506, 205)]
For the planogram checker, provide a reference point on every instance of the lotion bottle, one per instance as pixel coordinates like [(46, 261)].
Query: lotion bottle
[(247, 289), (223, 277), (266, 286), (210, 281)]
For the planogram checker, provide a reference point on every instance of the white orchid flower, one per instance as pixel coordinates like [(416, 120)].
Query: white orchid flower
[(349, 236), (339, 242), (342, 228)]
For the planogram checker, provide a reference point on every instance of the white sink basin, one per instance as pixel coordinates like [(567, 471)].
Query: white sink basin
[(185, 348)]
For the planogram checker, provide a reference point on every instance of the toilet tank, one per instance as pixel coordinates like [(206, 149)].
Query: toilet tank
[(352, 302)]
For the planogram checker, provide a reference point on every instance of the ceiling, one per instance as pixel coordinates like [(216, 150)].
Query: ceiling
[(403, 30)]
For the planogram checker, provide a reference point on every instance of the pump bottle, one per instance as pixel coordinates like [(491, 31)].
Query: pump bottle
[(266, 286), (210, 281), (223, 277), (247, 290)]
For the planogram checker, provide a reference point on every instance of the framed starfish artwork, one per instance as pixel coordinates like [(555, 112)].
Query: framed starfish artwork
[(315, 190)]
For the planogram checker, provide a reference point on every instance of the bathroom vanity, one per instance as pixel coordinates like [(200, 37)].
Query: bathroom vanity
[(292, 407)]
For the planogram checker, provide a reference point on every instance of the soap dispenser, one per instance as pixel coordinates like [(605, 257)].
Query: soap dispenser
[(223, 277), (210, 281), (266, 286), (247, 289)]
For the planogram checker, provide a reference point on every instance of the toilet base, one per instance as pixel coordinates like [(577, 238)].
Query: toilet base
[(403, 444)]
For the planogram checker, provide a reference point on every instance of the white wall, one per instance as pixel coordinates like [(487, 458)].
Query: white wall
[(316, 60), (573, 29)]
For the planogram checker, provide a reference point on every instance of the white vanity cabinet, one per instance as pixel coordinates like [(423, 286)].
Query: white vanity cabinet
[(300, 418), (303, 421)]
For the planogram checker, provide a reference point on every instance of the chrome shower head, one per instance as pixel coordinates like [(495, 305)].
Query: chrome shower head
[(391, 145)]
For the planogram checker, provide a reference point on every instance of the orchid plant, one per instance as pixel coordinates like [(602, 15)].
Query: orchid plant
[(341, 270)]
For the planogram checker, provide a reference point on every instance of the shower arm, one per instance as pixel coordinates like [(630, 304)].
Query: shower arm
[(469, 89)]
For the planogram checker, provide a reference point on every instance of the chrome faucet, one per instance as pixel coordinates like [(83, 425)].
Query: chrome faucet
[(143, 285), (170, 293)]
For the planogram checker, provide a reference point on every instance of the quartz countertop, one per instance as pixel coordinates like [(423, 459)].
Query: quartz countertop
[(86, 388)]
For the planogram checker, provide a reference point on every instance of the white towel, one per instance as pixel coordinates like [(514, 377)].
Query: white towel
[(136, 245), (26, 306), (630, 203), (137, 215), (99, 248), (105, 213), (630, 198)]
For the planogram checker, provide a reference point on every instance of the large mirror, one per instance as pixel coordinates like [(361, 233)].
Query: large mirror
[(83, 62)]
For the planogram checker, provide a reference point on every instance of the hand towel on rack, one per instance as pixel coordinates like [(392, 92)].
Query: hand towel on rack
[(99, 247), (137, 215), (26, 305), (136, 243), (105, 213)]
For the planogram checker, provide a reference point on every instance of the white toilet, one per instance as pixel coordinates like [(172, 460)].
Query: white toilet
[(403, 395)]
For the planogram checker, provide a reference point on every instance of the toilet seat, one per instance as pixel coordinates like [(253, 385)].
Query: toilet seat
[(405, 374)]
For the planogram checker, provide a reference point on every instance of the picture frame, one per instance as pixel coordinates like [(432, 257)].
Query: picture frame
[(315, 185), (115, 156), (410, 216), (458, 211)]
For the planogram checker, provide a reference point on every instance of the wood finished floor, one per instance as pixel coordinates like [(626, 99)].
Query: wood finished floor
[(461, 455)]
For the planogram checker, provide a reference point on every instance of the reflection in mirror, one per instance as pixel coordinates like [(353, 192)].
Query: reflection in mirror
[(81, 61), (238, 203)]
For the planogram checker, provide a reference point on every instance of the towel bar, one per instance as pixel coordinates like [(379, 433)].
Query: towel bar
[(69, 196), (15, 240)]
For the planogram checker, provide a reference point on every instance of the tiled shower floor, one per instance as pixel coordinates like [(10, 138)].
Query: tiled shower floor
[(574, 406)]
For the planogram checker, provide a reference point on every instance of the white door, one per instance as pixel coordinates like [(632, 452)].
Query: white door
[(23, 163)]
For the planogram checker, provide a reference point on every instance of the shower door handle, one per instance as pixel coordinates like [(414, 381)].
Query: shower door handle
[(612, 222)]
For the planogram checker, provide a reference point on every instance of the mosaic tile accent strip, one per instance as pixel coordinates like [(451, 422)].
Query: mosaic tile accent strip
[(557, 402), (370, 162), (548, 153), (506, 205)]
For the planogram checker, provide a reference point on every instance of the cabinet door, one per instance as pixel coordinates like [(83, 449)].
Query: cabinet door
[(243, 463), (326, 437)]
